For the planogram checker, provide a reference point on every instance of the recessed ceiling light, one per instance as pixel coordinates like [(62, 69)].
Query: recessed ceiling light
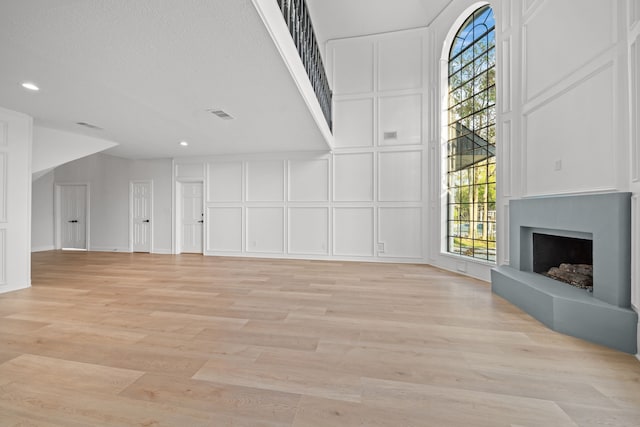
[(30, 86), (184, 143)]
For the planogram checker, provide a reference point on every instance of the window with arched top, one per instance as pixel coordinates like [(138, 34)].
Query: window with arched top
[(471, 139)]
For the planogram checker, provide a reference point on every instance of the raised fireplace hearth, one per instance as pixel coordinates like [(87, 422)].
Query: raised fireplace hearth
[(584, 233)]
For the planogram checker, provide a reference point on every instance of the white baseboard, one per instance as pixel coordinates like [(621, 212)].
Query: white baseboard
[(101, 249), (162, 251), (42, 248)]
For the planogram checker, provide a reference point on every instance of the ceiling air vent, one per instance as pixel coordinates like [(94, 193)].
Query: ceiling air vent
[(89, 125), (222, 114)]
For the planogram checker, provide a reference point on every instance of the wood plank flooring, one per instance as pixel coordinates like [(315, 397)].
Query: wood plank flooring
[(111, 339)]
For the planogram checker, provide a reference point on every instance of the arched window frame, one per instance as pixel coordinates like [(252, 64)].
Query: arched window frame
[(444, 145)]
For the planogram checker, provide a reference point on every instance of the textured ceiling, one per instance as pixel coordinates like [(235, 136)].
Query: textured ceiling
[(146, 70)]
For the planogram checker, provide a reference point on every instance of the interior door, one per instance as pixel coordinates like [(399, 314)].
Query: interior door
[(141, 216), (192, 217), (73, 216)]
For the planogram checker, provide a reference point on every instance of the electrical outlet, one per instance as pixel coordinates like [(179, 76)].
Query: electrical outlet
[(381, 247), (557, 165)]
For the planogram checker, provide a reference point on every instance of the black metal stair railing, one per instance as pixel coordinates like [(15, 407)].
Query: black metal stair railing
[(296, 15)]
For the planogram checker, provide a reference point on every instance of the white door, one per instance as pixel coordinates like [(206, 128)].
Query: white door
[(141, 216), (73, 216), (192, 217)]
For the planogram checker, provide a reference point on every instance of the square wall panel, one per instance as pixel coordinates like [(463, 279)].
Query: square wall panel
[(224, 227), (400, 120), (309, 180), (353, 67), (400, 176), (400, 231), (353, 177), (308, 231), (225, 182), (400, 62), (265, 230), (353, 231), (190, 170), (353, 123), (265, 181)]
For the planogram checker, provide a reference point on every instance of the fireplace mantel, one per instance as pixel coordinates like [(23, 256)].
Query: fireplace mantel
[(604, 316)]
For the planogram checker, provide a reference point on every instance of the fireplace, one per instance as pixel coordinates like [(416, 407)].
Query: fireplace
[(566, 259), (582, 230)]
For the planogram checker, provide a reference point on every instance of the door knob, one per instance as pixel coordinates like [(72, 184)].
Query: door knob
[(201, 221), (145, 220), (73, 221)]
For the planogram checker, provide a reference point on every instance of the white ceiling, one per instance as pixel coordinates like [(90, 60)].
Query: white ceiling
[(334, 19), (146, 70)]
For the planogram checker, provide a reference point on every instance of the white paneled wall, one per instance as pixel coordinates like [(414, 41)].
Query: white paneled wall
[(15, 200), (363, 201)]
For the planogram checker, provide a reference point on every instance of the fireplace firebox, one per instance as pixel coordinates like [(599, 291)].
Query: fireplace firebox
[(582, 232)]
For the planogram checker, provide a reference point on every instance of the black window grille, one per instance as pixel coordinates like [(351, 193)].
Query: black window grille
[(471, 148)]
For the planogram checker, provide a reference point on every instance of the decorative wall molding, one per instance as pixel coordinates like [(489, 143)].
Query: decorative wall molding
[(506, 162), (604, 39), (4, 191), (3, 256), (634, 67), (635, 251), (506, 76), (4, 136), (308, 219), (187, 170)]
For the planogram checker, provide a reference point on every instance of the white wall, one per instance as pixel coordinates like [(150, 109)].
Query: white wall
[(15, 200), (108, 178), (53, 147), (363, 201), (42, 237)]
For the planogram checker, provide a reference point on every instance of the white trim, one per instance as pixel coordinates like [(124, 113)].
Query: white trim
[(43, 248)]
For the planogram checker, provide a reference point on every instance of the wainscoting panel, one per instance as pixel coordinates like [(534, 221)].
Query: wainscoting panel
[(225, 182), (353, 123), (3, 256), (309, 180), (190, 170), (550, 56), (3, 187), (353, 67), (353, 231), (265, 230), (569, 139), (353, 177), (400, 176), (400, 120), (400, 232), (224, 225), (400, 62), (265, 180), (308, 231), (3, 134), (635, 108)]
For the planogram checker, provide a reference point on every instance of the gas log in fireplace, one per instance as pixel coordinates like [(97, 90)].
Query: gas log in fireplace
[(570, 266), (566, 259)]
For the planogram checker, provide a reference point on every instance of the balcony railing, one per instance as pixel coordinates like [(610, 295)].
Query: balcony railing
[(296, 15)]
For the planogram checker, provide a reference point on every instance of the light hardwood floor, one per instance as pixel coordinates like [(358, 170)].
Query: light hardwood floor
[(159, 340)]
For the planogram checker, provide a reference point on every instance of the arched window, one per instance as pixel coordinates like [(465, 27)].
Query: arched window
[(471, 139)]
